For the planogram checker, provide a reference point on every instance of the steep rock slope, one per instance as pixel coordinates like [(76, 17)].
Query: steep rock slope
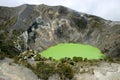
[(12, 71), (39, 27)]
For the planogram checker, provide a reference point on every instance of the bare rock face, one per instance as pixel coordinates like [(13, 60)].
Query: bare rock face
[(62, 25), (39, 27), (12, 71), (104, 71)]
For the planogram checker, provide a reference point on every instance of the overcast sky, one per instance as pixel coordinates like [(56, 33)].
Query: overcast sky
[(108, 9)]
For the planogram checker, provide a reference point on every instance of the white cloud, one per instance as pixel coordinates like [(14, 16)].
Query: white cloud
[(108, 9)]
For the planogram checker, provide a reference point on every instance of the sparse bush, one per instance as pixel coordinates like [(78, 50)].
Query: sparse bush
[(38, 57), (11, 21), (77, 59), (1, 25), (16, 33), (9, 51), (109, 59), (85, 59), (65, 71), (44, 70), (1, 55), (67, 60), (81, 22)]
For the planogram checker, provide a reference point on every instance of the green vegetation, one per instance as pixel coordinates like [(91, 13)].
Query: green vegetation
[(1, 25), (36, 13), (7, 23), (77, 59), (72, 50), (80, 22), (7, 49), (11, 21), (45, 70), (15, 33), (65, 71), (1, 55)]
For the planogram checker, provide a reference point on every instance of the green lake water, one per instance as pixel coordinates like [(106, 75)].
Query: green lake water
[(72, 50)]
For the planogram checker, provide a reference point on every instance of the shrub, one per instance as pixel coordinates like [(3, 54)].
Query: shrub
[(1, 56), (65, 71), (38, 57), (44, 70), (11, 21), (67, 60), (16, 33), (77, 59)]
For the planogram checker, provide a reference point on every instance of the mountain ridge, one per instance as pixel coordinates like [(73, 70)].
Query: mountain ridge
[(38, 27)]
